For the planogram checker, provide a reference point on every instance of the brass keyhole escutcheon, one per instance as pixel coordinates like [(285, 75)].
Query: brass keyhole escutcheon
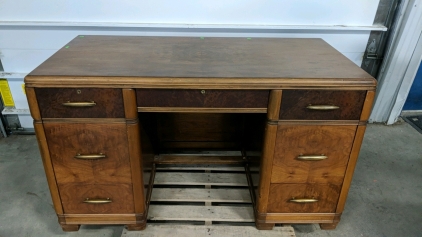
[(203, 92), (78, 91)]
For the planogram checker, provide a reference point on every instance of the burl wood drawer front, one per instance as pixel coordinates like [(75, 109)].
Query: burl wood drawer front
[(321, 105), (96, 199), (89, 153), (80, 103), (202, 98), (303, 198), (311, 154)]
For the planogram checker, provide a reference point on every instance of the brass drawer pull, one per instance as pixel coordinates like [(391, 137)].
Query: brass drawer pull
[(90, 157), (304, 200), (312, 157), (322, 107), (203, 92), (79, 104), (98, 201)]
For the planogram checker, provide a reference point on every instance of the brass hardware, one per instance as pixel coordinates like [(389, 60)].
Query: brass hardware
[(90, 157), (322, 107), (98, 201), (312, 157), (79, 104), (203, 92), (78, 91), (304, 200)]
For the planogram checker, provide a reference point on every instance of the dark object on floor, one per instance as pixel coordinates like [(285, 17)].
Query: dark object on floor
[(415, 121)]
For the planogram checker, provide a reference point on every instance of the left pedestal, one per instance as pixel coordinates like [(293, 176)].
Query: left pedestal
[(91, 155)]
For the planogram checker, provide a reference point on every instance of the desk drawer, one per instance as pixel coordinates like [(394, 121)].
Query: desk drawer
[(297, 198), (104, 198), (104, 156), (202, 98), (80, 103), (312, 154), (309, 105)]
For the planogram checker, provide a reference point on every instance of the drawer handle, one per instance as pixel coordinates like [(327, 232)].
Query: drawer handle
[(79, 104), (312, 157), (98, 201), (90, 157), (304, 200), (322, 107)]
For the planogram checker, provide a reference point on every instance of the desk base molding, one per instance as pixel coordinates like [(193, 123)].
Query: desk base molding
[(298, 217), (101, 219)]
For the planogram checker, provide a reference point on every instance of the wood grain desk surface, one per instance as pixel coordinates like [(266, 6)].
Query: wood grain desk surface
[(130, 61)]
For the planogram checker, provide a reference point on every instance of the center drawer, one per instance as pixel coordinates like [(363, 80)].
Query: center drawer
[(202, 98), (89, 153)]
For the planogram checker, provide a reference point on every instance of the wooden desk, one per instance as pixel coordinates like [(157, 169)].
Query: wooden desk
[(106, 107)]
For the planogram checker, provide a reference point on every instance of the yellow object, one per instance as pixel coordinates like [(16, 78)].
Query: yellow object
[(23, 89), (6, 94)]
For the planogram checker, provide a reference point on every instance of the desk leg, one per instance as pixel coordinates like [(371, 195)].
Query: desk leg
[(136, 227), (69, 228), (264, 226), (328, 226)]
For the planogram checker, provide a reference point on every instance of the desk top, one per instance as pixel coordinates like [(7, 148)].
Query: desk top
[(133, 61)]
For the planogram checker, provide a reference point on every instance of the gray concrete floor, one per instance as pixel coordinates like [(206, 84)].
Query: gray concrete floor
[(385, 198)]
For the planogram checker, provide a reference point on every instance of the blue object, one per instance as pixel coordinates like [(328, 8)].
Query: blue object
[(414, 99)]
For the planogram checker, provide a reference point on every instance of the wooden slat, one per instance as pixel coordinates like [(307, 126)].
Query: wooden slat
[(180, 178), (200, 213), (200, 195), (189, 159), (155, 230)]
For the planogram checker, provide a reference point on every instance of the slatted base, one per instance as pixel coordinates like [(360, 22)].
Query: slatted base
[(201, 193), (201, 213), (158, 230), (208, 199)]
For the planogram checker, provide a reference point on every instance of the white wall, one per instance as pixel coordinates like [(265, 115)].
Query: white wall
[(261, 12)]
